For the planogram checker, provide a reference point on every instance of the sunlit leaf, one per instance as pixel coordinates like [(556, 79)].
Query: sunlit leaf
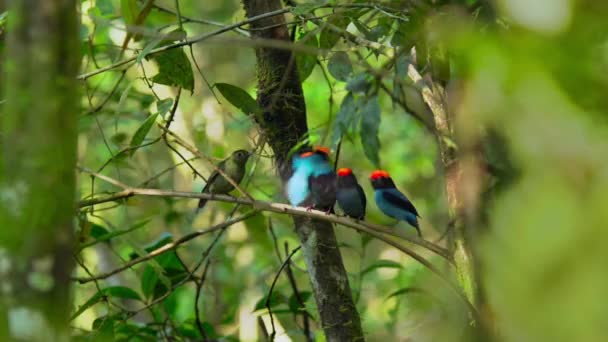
[(238, 98), (142, 132), (163, 106)]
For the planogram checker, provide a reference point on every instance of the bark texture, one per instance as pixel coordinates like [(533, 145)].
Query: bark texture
[(283, 122), (37, 169)]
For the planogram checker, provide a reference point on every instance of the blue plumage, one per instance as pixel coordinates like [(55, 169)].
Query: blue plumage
[(393, 202), (312, 182)]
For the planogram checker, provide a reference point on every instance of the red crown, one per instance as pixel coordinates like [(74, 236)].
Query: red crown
[(322, 149), (344, 172), (379, 174), (306, 154)]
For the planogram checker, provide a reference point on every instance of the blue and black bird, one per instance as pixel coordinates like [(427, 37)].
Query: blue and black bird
[(350, 195), (393, 202), (313, 181)]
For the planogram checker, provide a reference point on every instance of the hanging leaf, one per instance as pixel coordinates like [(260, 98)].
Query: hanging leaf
[(329, 37), (344, 119), (238, 98), (381, 264), (174, 69), (339, 66), (163, 106), (142, 132), (305, 61), (359, 83), (370, 125)]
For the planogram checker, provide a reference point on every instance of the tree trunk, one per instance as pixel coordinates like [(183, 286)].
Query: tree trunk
[(283, 122), (37, 169)]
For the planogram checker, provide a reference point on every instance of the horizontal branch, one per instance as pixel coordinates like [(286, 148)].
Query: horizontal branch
[(281, 208)]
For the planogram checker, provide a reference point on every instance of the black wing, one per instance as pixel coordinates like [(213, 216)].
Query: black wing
[(399, 200), (210, 180), (323, 190), (362, 196)]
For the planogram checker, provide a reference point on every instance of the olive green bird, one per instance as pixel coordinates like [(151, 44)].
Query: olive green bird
[(233, 167)]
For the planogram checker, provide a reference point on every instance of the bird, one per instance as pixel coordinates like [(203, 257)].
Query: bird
[(233, 167), (313, 181), (393, 202), (350, 195)]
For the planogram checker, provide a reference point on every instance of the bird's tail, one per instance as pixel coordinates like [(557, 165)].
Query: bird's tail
[(201, 205), (414, 223)]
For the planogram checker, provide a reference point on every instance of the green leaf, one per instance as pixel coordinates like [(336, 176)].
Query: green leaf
[(163, 106), (405, 35), (344, 119), (98, 231), (105, 7), (305, 61), (174, 69), (238, 98), (102, 234), (149, 47), (405, 290), (165, 271), (276, 299), (359, 83), (329, 37), (303, 9), (142, 132), (370, 124), (339, 66), (294, 304), (113, 291), (129, 10), (381, 264)]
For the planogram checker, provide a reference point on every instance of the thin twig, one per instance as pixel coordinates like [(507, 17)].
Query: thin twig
[(168, 247), (197, 314), (186, 42), (276, 277), (301, 304)]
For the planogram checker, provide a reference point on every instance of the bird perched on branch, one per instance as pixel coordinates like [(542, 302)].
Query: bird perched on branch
[(233, 167), (313, 181), (350, 195), (391, 201)]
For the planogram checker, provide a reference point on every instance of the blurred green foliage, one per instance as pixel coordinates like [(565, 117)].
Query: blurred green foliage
[(525, 80)]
